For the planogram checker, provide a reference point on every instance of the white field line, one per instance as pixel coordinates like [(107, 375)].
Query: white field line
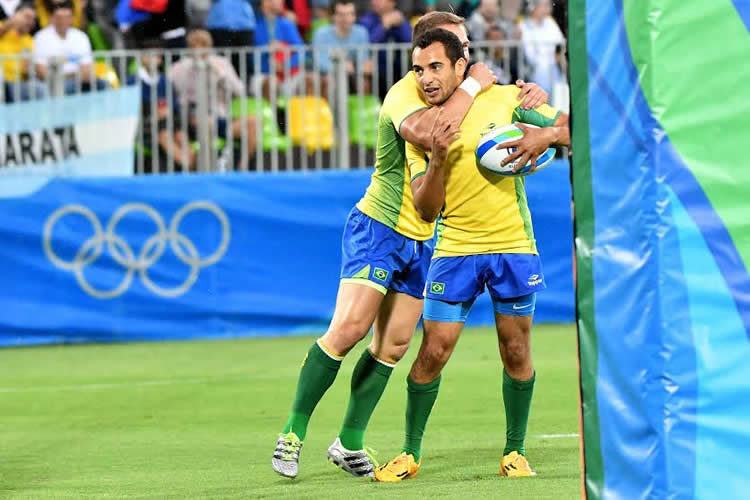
[(113, 385)]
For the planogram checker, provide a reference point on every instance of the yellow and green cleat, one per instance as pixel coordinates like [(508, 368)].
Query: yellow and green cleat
[(402, 467), (515, 465)]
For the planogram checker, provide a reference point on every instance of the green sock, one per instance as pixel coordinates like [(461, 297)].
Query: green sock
[(517, 400), (419, 403), (369, 379), (316, 376)]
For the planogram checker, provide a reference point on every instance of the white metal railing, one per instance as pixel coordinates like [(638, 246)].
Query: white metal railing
[(209, 120)]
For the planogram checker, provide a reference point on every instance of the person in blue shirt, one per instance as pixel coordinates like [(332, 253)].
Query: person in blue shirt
[(276, 32), (386, 24), (350, 39), (158, 105), (232, 24)]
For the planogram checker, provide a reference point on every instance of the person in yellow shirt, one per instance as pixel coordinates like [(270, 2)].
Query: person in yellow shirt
[(17, 43), (386, 253), (485, 239)]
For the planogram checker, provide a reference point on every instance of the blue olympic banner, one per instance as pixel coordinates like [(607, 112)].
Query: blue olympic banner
[(174, 257), (63, 135)]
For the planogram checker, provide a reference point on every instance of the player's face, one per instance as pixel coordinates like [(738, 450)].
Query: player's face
[(437, 77), (460, 31)]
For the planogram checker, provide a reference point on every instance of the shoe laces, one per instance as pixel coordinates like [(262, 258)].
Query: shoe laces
[(291, 447)]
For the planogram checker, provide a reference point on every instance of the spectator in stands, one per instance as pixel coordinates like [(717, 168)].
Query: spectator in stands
[(385, 23), (232, 24), (44, 10), (503, 60), (321, 13), (63, 53), (343, 34), (541, 37), (166, 22), (158, 108), (279, 34), (102, 26), (7, 9), (486, 15), (16, 41), (298, 11), (211, 79)]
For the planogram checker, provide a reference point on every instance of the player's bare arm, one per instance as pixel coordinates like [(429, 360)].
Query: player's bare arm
[(429, 189), (535, 141), (417, 128)]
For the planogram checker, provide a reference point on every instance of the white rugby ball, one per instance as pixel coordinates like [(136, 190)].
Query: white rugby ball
[(489, 156)]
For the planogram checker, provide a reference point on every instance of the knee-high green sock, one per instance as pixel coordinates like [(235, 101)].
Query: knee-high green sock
[(369, 379), (517, 400), (419, 403), (317, 374)]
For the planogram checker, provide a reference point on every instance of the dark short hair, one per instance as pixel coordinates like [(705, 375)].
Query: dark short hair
[(59, 6), (432, 20), (343, 2), (25, 5), (454, 49)]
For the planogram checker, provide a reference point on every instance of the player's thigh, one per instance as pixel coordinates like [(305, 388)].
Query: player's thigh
[(395, 324), (356, 308)]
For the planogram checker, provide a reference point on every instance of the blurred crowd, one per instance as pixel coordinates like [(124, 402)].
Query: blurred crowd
[(61, 34), (46, 41)]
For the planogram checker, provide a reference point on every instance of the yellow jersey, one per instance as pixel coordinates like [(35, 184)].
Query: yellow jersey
[(13, 44), (484, 212), (389, 199)]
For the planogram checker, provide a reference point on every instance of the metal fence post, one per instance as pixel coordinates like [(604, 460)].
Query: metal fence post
[(342, 94)]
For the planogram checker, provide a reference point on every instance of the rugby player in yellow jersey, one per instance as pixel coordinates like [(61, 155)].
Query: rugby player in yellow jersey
[(485, 240), (386, 253)]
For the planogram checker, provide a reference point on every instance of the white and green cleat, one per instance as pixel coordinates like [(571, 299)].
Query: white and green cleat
[(358, 463), (285, 459)]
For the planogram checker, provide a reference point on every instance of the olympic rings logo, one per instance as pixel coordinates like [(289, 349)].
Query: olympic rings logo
[(123, 254)]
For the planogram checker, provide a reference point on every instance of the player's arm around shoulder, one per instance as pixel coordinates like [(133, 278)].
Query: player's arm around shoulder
[(417, 127), (428, 179)]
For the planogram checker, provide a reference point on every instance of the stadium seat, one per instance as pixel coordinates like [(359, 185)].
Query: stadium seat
[(104, 71), (311, 123), (363, 120), (271, 135)]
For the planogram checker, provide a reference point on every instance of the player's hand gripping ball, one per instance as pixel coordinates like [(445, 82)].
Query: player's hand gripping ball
[(489, 156)]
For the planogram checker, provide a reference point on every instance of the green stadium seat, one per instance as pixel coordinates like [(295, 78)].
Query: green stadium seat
[(363, 114), (270, 132)]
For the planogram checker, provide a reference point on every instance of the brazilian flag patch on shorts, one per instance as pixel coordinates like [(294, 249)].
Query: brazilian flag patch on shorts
[(437, 288), (380, 274)]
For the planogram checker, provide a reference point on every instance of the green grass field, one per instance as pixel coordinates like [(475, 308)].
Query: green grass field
[(200, 419)]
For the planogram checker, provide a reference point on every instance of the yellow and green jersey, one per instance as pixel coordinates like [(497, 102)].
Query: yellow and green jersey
[(389, 198), (484, 212)]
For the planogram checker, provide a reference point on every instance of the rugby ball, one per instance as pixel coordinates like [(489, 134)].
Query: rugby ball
[(489, 156)]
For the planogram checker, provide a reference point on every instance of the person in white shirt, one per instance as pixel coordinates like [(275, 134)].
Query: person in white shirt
[(62, 51), (541, 38)]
